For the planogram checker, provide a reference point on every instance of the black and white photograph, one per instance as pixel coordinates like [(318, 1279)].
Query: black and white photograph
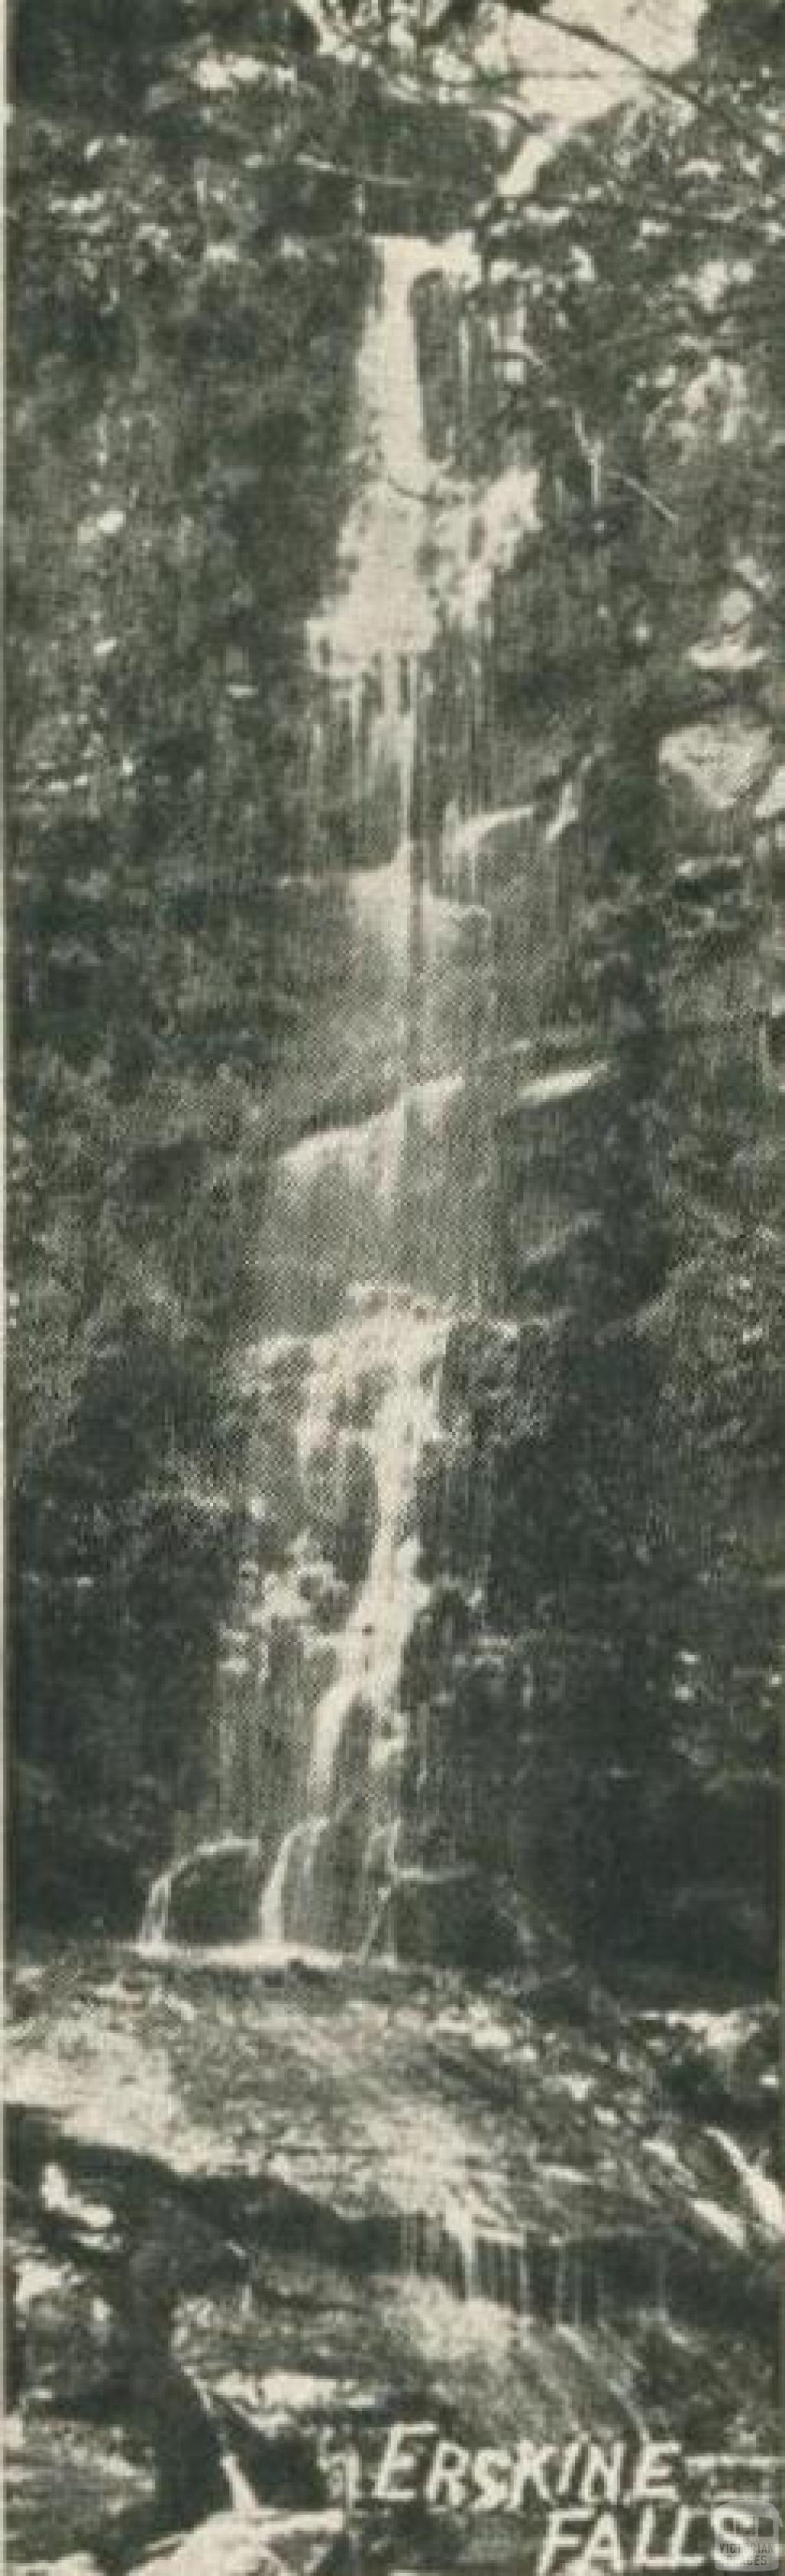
[(395, 1286)]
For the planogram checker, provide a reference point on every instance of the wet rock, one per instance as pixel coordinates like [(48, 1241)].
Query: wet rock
[(273, 1467), (71, 2488), (214, 1892), (68, 2351), (252, 2544), (79, 2562), (357, 1406), (327, 1597), (27, 1987), (712, 2067), (276, 2457), (342, 1506)]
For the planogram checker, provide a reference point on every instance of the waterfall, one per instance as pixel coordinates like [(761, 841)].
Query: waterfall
[(379, 622), (400, 1351), (271, 1910), (383, 1203), (383, 1616), (155, 1920), (295, 1860)]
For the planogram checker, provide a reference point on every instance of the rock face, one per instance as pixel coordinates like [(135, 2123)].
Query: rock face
[(212, 1895), (340, 1489), (447, 1918)]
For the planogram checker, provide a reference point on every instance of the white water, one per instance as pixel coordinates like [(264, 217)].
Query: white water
[(761, 2191), (299, 1845), (372, 1151), (384, 604), (366, 648), (382, 612), (155, 1920), (407, 1343), (385, 610), (396, 1346), (382, 618)]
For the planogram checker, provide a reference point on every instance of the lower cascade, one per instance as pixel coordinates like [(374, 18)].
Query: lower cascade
[(344, 1606), (390, 1358)]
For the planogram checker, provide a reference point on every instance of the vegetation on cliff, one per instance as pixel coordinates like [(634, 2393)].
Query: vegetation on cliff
[(182, 325), (613, 1701), (191, 211)]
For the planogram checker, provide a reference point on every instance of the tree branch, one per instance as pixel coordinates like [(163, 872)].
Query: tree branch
[(644, 493), (672, 85)]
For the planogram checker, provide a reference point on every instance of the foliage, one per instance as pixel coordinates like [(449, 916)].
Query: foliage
[(174, 354), (629, 1518)]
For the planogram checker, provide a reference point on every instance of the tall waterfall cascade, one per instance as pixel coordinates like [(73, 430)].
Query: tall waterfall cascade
[(386, 1207)]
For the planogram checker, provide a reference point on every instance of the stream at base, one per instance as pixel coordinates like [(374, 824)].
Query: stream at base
[(260, 2217)]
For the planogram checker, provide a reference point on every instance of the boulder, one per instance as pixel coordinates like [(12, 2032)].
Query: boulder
[(214, 1892)]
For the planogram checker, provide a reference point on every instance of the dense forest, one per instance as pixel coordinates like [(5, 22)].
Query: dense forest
[(597, 1669)]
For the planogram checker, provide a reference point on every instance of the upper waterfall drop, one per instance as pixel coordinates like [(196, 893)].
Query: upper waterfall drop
[(382, 604), (382, 616)]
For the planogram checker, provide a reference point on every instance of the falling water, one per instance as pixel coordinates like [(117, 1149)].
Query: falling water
[(761, 2191), (382, 617), (398, 1347), (382, 614), (271, 1911), (155, 1919), (326, 1766)]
